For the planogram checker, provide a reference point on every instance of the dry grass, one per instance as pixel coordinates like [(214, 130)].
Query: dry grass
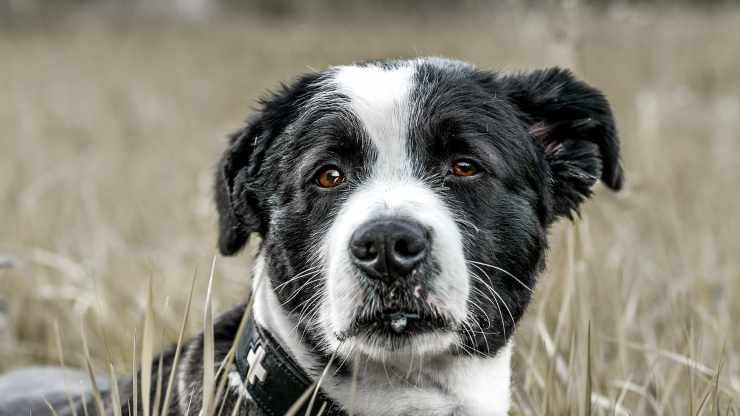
[(109, 132)]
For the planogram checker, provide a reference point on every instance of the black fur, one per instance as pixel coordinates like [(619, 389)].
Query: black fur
[(237, 191), (574, 122)]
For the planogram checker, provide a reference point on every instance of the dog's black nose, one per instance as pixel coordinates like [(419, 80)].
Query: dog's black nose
[(389, 248)]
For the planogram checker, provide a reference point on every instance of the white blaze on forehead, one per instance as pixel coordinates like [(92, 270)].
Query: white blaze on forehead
[(379, 97)]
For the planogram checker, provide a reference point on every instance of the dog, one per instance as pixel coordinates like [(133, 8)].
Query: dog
[(403, 208)]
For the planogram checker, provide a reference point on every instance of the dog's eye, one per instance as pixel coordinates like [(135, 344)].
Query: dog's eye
[(330, 177), (464, 167)]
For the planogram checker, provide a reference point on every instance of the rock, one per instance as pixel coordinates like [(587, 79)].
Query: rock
[(6, 262)]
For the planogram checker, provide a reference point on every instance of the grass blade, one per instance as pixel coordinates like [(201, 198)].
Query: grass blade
[(238, 405), (135, 382), (147, 347), (208, 347), (588, 398), (293, 410), (115, 394), (158, 387), (97, 398), (318, 383), (229, 360), (60, 350), (51, 408), (84, 404), (178, 347)]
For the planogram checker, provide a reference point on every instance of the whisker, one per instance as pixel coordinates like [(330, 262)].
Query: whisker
[(482, 331), (310, 305), (467, 224), (312, 279), (485, 297), (503, 271), (485, 338), (297, 276), (468, 331), (472, 351), (490, 289), (347, 356)]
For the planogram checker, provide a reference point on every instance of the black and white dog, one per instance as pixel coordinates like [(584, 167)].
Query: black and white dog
[(403, 207)]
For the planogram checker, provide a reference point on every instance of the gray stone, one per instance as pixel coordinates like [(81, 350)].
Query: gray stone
[(35, 383)]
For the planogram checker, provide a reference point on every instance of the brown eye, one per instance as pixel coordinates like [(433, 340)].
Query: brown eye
[(463, 167), (330, 177)]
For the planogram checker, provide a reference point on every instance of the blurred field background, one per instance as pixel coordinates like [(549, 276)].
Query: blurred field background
[(112, 118)]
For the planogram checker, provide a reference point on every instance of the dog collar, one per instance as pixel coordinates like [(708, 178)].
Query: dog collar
[(273, 379)]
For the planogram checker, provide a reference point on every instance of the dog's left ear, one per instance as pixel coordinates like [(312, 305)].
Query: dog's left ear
[(575, 125)]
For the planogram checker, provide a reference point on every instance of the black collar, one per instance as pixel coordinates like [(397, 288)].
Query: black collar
[(277, 381)]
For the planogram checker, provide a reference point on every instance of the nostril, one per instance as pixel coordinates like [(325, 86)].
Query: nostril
[(406, 248), (401, 247), (369, 251), (364, 250)]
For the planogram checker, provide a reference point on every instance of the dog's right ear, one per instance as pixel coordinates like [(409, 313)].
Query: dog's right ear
[(238, 210), (237, 178)]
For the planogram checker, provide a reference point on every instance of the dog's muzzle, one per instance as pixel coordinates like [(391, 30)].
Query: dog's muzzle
[(389, 251)]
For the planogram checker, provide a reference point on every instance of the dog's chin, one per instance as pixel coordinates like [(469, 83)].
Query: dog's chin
[(392, 347), (399, 333)]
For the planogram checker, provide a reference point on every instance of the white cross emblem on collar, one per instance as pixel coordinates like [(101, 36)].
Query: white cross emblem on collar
[(256, 370)]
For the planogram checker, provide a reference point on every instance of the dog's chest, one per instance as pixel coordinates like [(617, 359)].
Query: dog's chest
[(468, 386)]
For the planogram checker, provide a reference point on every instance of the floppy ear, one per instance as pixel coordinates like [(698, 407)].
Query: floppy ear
[(237, 178), (238, 210), (575, 125)]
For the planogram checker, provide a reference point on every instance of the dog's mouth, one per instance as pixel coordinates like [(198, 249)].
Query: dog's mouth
[(395, 324)]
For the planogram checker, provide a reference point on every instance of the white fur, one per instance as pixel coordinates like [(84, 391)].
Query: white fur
[(269, 313), (236, 383), (380, 100), (483, 385), (185, 387)]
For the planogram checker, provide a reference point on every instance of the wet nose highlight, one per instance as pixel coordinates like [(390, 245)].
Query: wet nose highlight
[(389, 249)]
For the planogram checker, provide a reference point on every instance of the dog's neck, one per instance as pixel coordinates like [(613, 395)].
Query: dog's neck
[(445, 386)]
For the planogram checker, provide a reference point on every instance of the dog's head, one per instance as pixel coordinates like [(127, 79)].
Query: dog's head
[(404, 204)]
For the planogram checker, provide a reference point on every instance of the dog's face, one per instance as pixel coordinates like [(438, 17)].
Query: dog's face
[(404, 205)]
